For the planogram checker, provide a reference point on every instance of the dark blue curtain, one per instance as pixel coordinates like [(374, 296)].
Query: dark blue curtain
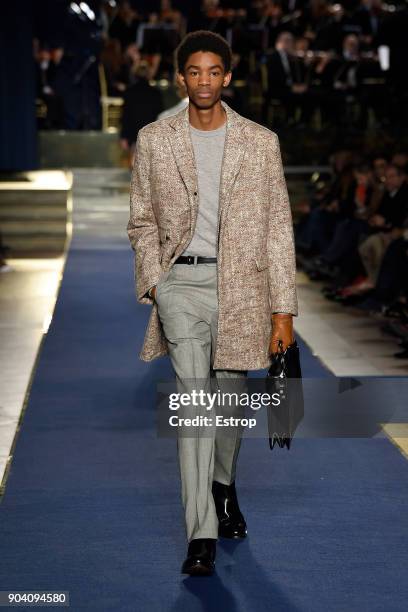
[(18, 134)]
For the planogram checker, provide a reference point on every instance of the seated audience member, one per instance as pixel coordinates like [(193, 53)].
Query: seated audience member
[(387, 224), (400, 159), (383, 227), (317, 230), (357, 208), (380, 165), (392, 280)]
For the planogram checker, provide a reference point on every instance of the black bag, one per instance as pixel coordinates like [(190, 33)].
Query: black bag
[(284, 418)]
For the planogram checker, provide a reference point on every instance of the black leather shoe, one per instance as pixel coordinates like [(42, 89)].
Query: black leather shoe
[(200, 559), (231, 523)]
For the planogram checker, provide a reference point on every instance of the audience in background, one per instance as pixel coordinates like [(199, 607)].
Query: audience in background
[(353, 234), (322, 59)]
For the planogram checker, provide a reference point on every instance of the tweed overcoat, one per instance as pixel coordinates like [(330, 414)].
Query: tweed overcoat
[(256, 257)]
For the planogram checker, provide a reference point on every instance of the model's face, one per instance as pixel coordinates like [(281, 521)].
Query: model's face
[(204, 78)]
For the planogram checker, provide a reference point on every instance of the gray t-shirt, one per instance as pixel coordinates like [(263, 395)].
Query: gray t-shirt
[(208, 151)]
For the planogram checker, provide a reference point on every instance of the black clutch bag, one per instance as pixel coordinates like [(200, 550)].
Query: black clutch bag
[(284, 377)]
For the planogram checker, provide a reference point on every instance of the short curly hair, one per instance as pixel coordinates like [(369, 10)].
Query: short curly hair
[(203, 40)]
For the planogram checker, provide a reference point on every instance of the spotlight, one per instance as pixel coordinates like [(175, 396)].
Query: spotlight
[(85, 8)]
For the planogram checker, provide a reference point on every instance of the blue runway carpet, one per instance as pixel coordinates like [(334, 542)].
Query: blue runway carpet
[(92, 503)]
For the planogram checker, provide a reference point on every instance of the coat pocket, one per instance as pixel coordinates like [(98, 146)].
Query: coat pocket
[(261, 262), (164, 237), (164, 234)]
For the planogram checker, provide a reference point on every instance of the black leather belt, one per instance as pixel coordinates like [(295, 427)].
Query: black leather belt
[(189, 259)]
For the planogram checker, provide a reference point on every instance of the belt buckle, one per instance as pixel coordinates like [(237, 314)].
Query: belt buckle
[(192, 259)]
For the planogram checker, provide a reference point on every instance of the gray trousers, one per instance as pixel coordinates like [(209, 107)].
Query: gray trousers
[(372, 251), (188, 309)]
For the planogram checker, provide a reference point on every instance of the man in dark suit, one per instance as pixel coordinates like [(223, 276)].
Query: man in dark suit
[(286, 77)]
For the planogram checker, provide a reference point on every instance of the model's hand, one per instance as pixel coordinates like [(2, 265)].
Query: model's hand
[(282, 329)]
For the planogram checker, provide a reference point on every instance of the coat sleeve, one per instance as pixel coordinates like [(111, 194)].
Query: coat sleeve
[(142, 226), (281, 243)]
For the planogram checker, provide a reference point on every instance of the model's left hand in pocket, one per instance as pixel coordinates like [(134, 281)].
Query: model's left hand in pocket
[(282, 329)]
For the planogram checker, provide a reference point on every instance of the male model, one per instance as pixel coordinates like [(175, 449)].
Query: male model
[(211, 227)]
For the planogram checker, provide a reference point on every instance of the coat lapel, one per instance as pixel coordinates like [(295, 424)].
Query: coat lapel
[(234, 150)]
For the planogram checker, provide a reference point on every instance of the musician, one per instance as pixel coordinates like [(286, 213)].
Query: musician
[(368, 18), (275, 23), (46, 66), (125, 24), (339, 79), (286, 74)]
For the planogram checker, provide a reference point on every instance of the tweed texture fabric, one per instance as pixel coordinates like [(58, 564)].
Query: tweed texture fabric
[(256, 268)]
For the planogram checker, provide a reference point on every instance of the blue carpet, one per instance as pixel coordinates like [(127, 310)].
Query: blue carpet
[(92, 503)]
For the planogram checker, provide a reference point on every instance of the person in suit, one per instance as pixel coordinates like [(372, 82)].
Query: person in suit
[(340, 80), (388, 222), (211, 226), (286, 78)]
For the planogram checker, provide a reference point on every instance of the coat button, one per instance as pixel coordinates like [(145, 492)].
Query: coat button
[(195, 193)]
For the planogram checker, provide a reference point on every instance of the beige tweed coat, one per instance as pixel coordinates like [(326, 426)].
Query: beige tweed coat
[(256, 257)]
